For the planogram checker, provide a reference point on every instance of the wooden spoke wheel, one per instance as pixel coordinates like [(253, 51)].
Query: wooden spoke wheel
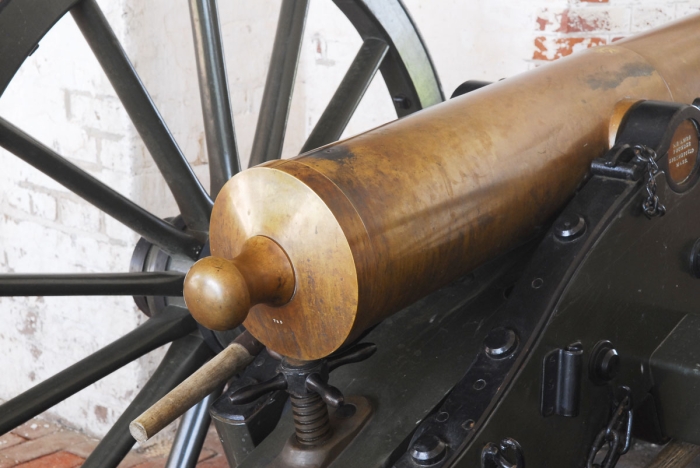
[(167, 247)]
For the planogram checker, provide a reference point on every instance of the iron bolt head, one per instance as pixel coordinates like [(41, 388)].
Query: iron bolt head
[(569, 226), (346, 411), (401, 101), (605, 363), (695, 259), (610, 364), (500, 342), (428, 450)]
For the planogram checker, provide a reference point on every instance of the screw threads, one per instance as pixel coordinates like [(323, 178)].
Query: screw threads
[(311, 420)]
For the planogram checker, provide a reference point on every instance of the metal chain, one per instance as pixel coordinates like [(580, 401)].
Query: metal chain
[(492, 455), (652, 206), (617, 434)]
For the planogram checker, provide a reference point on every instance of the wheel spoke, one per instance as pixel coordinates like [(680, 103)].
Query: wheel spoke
[(222, 150), (408, 71), (277, 97), (184, 357), (171, 324), (93, 284), (95, 192), (191, 198), (348, 95), (191, 433)]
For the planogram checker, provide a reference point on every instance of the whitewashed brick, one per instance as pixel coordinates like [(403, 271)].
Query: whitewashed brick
[(115, 155), (14, 170), (76, 145), (257, 97), (241, 101), (19, 198), (154, 194), (601, 20), (101, 255), (247, 68), (647, 17), (101, 112), (687, 8), (202, 173), (553, 47), (44, 205), (645, 3), (117, 231), (245, 126), (118, 181), (253, 10), (32, 247), (79, 215)]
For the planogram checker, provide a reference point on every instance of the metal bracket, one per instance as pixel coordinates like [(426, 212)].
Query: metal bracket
[(561, 381), (618, 163)]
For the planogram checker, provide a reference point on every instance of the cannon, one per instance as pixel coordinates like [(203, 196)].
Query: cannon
[(510, 276)]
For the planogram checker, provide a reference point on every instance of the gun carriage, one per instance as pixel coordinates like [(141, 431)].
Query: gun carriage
[(505, 278)]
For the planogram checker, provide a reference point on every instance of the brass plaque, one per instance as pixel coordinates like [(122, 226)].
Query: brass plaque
[(683, 152)]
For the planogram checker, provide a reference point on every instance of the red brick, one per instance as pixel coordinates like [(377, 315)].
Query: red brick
[(540, 49), (583, 20), (547, 48), (212, 442), (216, 462), (9, 439), (155, 463), (572, 22), (35, 428), (39, 447), (55, 460), (542, 23), (134, 458), (66, 445), (84, 448), (159, 462), (206, 454)]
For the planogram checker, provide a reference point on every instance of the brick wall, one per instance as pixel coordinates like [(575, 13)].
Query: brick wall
[(494, 39), (566, 27), (62, 98)]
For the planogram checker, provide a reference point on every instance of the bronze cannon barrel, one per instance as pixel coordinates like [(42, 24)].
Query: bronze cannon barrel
[(363, 227)]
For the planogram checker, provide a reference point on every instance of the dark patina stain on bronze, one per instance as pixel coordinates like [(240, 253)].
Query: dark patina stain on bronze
[(609, 80)]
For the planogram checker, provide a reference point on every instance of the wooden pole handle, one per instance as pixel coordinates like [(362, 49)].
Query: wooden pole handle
[(211, 375), (675, 455)]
